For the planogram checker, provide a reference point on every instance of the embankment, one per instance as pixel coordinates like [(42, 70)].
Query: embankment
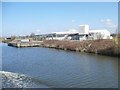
[(104, 47)]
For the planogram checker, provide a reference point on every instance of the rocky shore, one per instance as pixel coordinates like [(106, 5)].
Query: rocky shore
[(103, 47), (14, 80)]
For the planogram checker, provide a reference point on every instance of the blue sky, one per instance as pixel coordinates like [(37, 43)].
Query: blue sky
[(23, 18)]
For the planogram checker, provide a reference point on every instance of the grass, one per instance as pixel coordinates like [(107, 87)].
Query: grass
[(117, 41), (104, 47)]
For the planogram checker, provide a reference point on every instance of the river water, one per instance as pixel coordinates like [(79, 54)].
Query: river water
[(61, 69)]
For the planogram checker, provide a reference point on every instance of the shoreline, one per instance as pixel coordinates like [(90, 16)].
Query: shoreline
[(15, 80), (102, 47)]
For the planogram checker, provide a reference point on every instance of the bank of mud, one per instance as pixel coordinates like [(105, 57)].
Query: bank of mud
[(103, 47)]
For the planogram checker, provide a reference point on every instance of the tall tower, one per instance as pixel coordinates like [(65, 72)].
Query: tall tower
[(84, 29)]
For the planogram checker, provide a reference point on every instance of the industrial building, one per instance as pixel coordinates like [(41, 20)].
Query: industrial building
[(82, 33)]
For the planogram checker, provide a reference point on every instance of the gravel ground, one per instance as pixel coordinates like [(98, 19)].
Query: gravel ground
[(13, 80)]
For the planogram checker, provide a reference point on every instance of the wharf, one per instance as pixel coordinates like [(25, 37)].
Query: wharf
[(25, 44)]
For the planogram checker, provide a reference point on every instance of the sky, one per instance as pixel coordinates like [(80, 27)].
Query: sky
[(0, 19), (24, 18)]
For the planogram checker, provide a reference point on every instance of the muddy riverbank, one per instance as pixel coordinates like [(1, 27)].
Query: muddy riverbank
[(103, 47)]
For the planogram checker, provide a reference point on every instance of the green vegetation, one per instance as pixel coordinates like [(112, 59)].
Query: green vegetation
[(1, 39), (7, 40), (117, 41)]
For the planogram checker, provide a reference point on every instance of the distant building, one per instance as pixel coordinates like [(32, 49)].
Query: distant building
[(83, 33), (83, 29), (64, 35), (99, 34), (25, 40)]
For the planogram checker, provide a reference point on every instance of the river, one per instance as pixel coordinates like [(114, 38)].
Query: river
[(62, 69)]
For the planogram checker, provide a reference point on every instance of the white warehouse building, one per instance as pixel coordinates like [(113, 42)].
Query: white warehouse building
[(100, 34), (82, 33)]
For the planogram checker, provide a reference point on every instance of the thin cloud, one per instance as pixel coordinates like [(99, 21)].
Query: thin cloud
[(73, 20), (38, 30), (108, 24)]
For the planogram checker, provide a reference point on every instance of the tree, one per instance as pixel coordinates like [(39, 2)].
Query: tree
[(13, 37), (32, 34), (99, 36)]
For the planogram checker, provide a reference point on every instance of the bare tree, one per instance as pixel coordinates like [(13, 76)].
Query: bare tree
[(99, 36), (32, 34)]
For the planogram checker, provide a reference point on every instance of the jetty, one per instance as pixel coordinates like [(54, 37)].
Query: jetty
[(25, 43)]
